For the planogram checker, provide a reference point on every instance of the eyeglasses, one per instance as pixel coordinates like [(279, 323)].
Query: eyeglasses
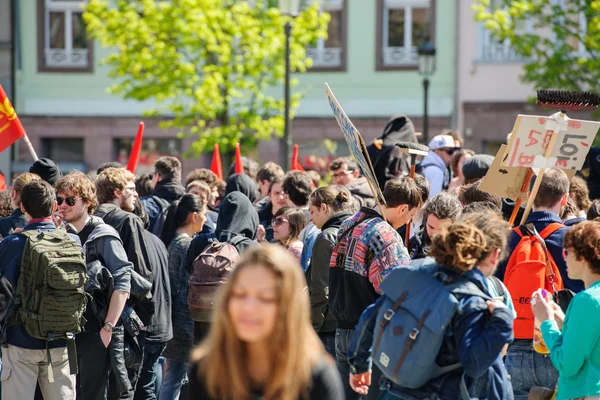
[(278, 221), (71, 200)]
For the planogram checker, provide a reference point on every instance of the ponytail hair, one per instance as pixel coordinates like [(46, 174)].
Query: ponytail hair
[(178, 214), (336, 197)]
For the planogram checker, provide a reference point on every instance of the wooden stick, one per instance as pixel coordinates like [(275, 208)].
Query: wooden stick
[(540, 175), (524, 188), (30, 147)]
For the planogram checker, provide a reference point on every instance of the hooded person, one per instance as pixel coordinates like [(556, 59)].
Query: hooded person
[(592, 167), (237, 217), (47, 169), (387, 159), (244, 184)]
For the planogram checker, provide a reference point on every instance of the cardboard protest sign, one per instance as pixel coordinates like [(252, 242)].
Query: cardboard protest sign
[(357, 146), (503, 181), (531, 136)]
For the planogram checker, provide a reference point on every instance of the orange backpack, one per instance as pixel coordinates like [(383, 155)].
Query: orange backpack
[(530, 267)]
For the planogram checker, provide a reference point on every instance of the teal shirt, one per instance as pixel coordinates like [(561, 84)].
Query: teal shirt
[(575, 352)]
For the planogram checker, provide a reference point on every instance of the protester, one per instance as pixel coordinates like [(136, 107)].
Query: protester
[(17, 219), (6, 207), (110, 164), (166, 180), (261, 338), (458, 160), (185, 219), (439, 212), (594, 211), (315, 176), (329, 207), (434, 167), (470, 193), (482, 206), (476, 167), (106, 262), (244, 184), (143, 185), (297, 186), (208, 177), (345, 172), (46, 169), (267, 212), (573, 339), (287, 224), (477, 332), (367, 248), (580, 193), (417, 220), (202, 190), (28, 361), (269, 173), (250, 168), (551, 197), (570, 214)]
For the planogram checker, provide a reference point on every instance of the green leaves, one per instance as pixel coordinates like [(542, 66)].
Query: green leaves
[(208, 64), (562, 49)]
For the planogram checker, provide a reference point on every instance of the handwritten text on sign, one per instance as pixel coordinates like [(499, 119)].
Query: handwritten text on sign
[(357, 146), (530, 138)]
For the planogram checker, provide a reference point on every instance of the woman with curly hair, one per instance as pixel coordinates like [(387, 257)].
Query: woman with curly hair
[(574, 339)]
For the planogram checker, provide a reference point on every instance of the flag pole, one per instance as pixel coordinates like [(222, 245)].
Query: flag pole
[(30, 147)]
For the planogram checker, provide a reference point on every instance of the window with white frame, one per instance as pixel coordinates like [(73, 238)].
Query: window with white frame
[(328, 53), (65, 42), (405, 25)]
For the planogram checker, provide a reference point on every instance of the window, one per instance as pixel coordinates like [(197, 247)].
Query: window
[(62, 43), (152, 149), (66, 150), (330, 53), (403, 25)]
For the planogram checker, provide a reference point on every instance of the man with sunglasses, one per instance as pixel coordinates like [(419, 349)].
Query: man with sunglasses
[(434, 166), (76, 199)]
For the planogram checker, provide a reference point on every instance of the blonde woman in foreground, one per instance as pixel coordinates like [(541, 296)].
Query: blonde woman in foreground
[(261, 343)]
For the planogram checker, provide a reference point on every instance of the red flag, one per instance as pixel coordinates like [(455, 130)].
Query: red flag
[(296, 166), (136, 149), (215, 165), (239, 166), (2, 183), (11, 129)]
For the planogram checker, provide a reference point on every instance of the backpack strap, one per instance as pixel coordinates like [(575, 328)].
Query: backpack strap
[(498, 286), (387, 318), (235, 240), (547, 231), (550, 229), (161, 202)]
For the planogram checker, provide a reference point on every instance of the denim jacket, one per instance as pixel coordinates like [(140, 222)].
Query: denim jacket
[(475, 338)]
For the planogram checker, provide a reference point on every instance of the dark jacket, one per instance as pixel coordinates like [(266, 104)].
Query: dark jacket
[(554, 242), (265, 216), (167, 189), (419, 244), (15, 220), (11, 252), (237, 216), (508, 207), (160, 329), (317, 274), (474, 337), (244, 184), (361, 193), (574, 221)]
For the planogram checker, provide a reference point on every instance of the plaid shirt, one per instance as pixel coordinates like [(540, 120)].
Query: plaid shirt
[(371, 250)]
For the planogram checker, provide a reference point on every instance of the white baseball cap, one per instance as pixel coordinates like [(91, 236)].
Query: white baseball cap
[(441, 142)]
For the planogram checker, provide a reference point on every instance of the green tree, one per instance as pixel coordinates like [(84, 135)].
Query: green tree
[(208, 64), (563, 47)]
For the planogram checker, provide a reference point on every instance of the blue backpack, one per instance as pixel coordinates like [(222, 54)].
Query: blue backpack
[(411, 324)]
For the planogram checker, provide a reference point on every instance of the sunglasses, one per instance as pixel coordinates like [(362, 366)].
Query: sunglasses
[(278, 221), (71, 200), (451, 151)]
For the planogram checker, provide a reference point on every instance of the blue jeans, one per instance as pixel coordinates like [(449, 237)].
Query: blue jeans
[(146, 385), (328, 340), (343, 337), (174, 379), (528, 368)]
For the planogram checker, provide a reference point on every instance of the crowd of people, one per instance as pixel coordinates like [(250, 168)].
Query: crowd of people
[(286, 285)]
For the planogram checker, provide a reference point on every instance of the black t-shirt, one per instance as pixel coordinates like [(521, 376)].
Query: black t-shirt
[(86, 231), (326, 385)]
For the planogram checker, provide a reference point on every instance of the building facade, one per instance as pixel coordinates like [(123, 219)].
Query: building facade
[(369, 60)]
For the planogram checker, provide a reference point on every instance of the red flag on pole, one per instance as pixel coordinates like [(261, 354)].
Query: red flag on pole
[(11, 129), (215, 165), (296, 166), (136, 149), (239, 165)]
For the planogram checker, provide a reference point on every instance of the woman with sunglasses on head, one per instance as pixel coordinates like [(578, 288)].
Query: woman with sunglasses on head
[(287, 224), (261, 343), (574, 339), (185, 217)]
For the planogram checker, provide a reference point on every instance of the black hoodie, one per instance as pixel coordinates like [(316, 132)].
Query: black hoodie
[(237, 216), (169, 190), (244, 184)]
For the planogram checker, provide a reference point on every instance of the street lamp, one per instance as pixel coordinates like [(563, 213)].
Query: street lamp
[(291, 9), (426, 53)]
